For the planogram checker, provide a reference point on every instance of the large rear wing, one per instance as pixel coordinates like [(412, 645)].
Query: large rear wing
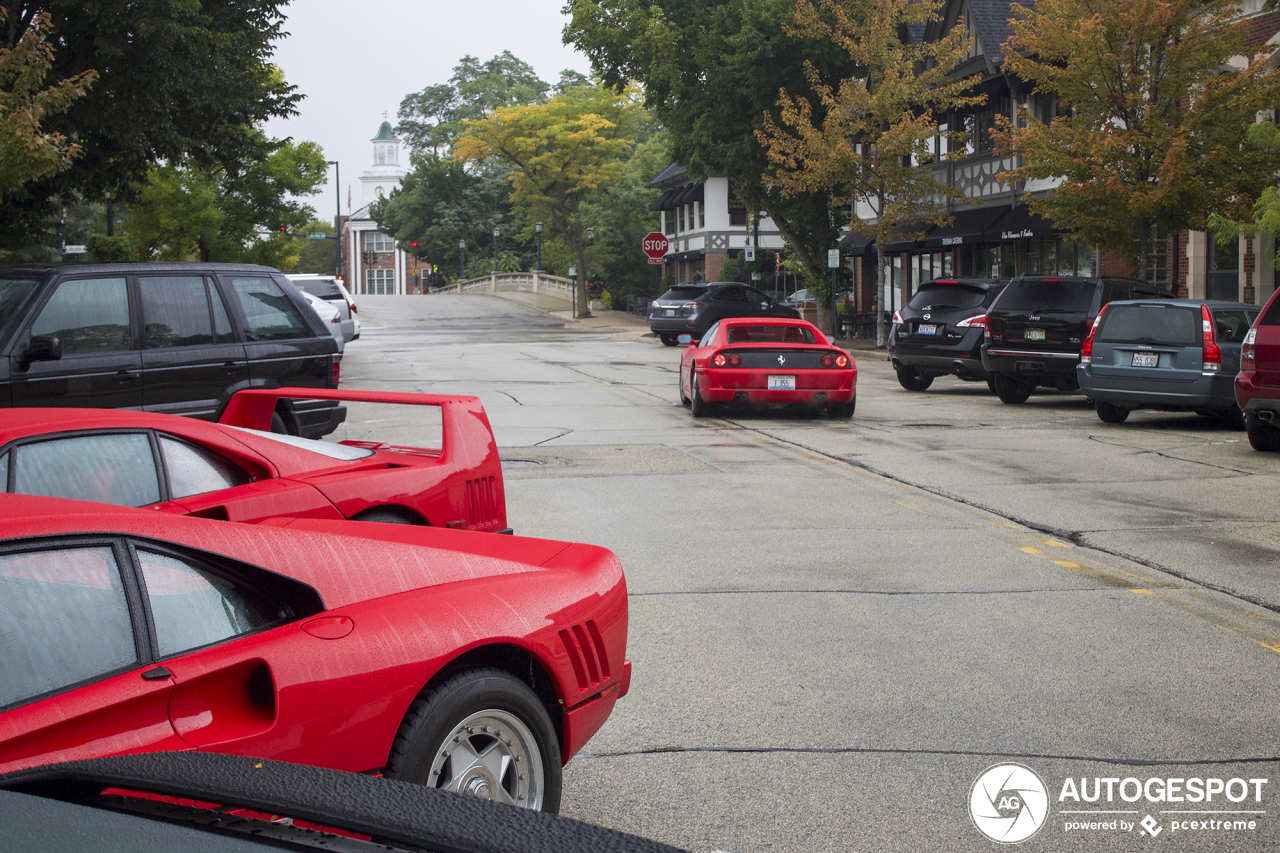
[(466, 440)]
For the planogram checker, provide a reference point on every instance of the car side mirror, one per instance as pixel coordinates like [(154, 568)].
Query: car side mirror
[(41, 348), (830, 339), (685, 339)]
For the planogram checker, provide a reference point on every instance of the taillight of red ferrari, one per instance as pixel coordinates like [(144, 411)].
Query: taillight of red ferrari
[(828, 360)]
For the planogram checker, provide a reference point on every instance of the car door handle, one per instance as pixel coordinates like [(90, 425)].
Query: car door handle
[(125, 376), (230, 367)]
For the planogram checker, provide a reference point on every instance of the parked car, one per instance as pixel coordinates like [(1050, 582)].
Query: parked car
[(329, 315), (209, 803), (1170, 355), (238, 470), (939, 332), (1037, 325), (1257, 386), (332, 290), (173, 338), (767, 360), (692, 308), (474, 664)]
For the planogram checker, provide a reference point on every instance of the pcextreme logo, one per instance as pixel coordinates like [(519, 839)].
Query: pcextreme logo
[(1009, 803)]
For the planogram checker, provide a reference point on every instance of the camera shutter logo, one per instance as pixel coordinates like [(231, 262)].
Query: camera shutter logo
[(1009, 803)]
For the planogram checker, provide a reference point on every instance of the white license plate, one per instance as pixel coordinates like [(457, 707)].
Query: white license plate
[(1034, 335), (927, 329), (669, 312), (1146, 359), (782, 383)]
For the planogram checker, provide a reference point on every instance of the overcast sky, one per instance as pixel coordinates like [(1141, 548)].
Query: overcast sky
[(353, 62)]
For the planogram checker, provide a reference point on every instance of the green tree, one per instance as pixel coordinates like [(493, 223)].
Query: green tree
[(246, 216), (870, 145), (1153, 116), (563, 152), (710, 71), (27, 151), (178, 81), (431, 120), (316, 256)]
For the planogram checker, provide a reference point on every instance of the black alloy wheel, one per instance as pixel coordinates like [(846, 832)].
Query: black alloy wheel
[(842, 411), (1011, 389)]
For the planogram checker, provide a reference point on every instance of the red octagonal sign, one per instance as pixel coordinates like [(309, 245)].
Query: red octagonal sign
[(655, 245)]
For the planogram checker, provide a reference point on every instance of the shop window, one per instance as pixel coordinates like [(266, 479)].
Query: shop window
[(669, 223), (738, 217)]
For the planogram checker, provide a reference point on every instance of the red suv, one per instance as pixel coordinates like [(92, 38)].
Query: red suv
[(1258, 382)]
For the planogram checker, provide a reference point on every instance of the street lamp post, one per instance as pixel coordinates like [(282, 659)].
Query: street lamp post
[(337, 204), (537, 229), (497, 232), (462, 260), (586, 273)]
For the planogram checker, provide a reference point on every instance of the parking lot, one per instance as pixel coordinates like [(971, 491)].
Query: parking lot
[(836, 627)]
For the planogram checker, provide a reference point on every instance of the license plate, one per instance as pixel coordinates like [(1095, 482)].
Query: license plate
[(669, 312), (927, 329), (1034, 335), (782, 383), (1146, 359)]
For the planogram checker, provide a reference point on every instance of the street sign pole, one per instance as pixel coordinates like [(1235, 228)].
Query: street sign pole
[(833, 261)]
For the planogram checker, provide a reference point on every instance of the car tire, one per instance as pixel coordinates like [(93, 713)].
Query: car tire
[(991, 382), (1232, 419), (669, 340), (1011, 389), (1109, 413), (698, 406), (1262, 436), (684, 401), (912, 379), (486, 714), (278, 426), (384, 516), (842, 411)]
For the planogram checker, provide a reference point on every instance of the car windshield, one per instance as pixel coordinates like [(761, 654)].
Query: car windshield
[(1047, 296), (1174, 325), (344, 452), (14, 293), (683, 292), (939, 296), (770, 335)]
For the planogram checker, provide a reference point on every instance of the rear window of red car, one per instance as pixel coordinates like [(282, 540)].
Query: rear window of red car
[(1272, 315), (770, 335)]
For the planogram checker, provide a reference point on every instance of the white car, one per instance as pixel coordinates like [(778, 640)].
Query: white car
[(331, 289), (329, 315)]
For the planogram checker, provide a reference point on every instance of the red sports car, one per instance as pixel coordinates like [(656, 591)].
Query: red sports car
[(477, 664), (238, 470), (767, 360)]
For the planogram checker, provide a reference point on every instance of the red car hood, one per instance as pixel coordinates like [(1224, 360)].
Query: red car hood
[(333, 557)]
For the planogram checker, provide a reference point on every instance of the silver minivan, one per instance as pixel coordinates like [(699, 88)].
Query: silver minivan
[(1171, 355)]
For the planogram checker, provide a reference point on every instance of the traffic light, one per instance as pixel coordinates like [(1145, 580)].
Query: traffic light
[(284, 229)]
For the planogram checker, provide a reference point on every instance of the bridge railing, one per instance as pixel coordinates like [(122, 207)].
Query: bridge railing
[(529, 282)]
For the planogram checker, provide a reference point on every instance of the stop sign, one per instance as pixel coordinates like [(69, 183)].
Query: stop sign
[(655, 245)]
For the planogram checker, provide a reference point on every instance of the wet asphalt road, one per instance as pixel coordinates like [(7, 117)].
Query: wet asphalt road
[(836, 627)]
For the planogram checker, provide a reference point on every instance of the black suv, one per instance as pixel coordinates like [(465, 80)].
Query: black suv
[(172, 338), (1038, 324), (691, 308), (940, 330)]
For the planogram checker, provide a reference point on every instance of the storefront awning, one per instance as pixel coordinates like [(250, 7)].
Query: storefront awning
[(967, 226), (902, 244), (674, 199), (854, 243), (1019, 222)]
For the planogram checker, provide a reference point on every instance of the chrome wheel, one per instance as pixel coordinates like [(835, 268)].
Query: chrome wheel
[(491, 755)]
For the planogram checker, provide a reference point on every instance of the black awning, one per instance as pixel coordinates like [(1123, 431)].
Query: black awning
[(902, 243), (1019, 222), (855, 243), (967, 226), (664, 201)]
